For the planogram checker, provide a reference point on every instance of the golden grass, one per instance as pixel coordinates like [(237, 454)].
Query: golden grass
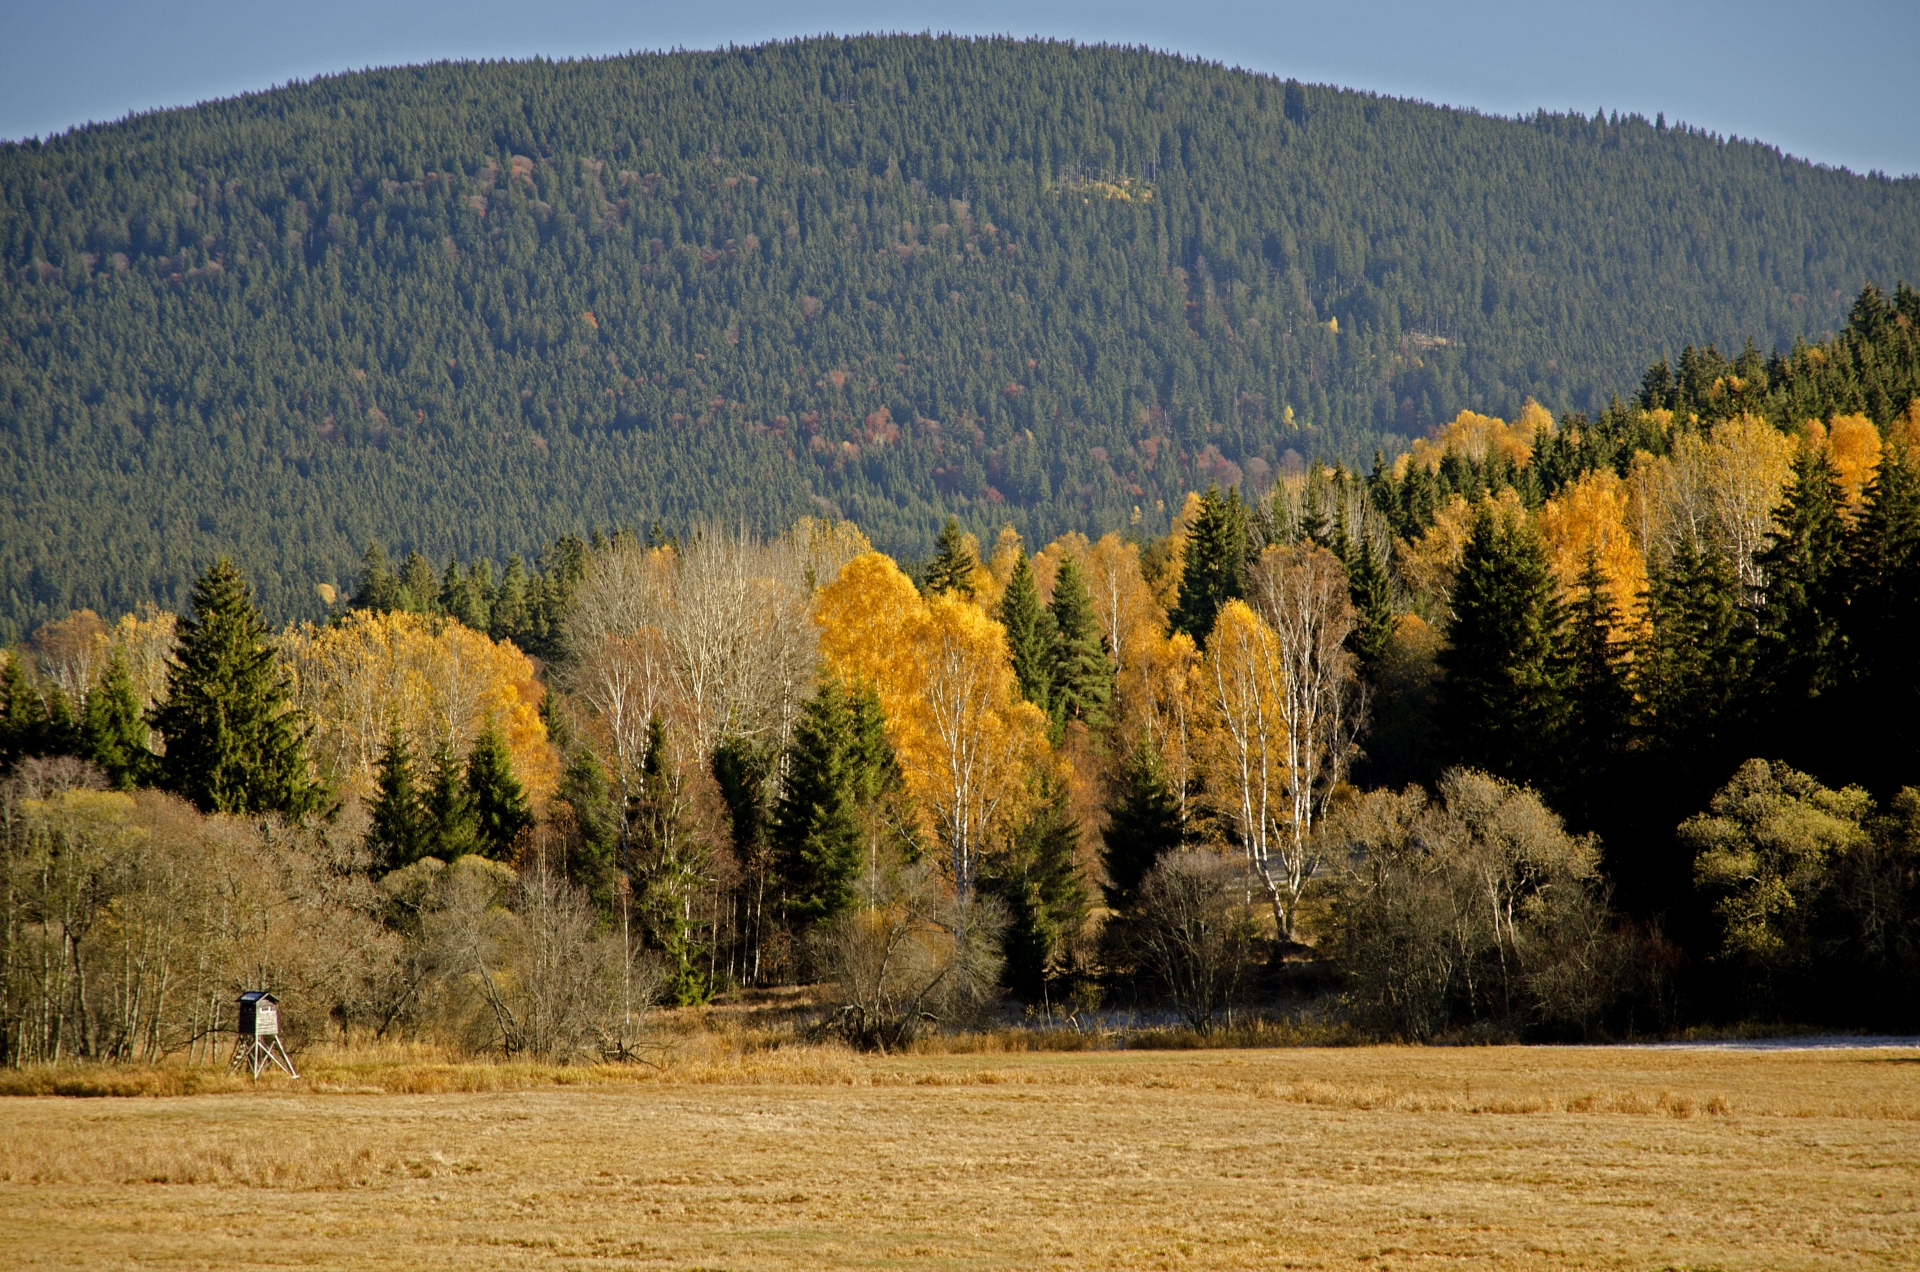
[(741, 1156)]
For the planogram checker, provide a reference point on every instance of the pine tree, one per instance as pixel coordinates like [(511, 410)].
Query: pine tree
[(235, 743), (1143, 824), (500, 807), (1036, 877), (1502, 701), (953, 562), (1082, 671), (1599, 703), (1215, 569), (448, 827), (1030, 636), (817, 833), (397, 836), (115, 737)]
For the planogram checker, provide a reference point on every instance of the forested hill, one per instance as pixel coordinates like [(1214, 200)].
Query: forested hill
[(467, 308)]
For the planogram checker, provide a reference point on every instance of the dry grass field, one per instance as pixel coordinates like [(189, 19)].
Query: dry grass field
[(811, 1158)]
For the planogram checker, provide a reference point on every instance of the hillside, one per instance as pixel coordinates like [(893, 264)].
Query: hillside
[(468, 308)]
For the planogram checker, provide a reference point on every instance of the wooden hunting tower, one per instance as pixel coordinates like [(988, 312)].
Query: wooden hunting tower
[(259, 1030)]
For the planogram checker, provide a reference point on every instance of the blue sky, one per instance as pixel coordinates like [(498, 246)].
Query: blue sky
[(1832, 82)]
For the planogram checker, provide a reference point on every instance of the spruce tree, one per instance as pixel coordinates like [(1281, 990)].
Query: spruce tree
[(1372, 594), (1030, 636), (1502, 699), (1880, 620), (379, 590), (235, 743), (115, 737), (817, 836), (1038, 880), (1215, 569), (23, 716), (62, 734), (1801, 653), (1693, 674), (448, 827), (953, 562), (499, 804), (397, 836), (1143, 823), (1599, 703), (1082, 671)]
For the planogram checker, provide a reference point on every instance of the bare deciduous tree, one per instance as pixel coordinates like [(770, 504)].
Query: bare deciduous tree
[(1302, 594)]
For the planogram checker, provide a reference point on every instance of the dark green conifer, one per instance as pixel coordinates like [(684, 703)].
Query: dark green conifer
[(1372, 594), (114, 735), (1038, 879), (397, 836), (419, 591), (1143, 823), (817, 835), (1215, 569), (1804, 565), (1599, 703), (23, 716), (1082, 672), (235, 743), (448, 827), (1502, 700), (379, 590), (499, 803), (1030, 636), (953, 562), (1694, 671)]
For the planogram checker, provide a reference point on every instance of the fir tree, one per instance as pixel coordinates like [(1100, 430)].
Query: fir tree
[(1082, 671), (1037, 879), (234, 741), (1143, 824), (1215, 569), (499, 804), (398, 834), (448, 827), (1502, 701), (1030, 636), (115, 737), (953, 562)]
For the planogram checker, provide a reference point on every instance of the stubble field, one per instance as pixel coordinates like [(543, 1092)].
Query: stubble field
[(1364, 1157)]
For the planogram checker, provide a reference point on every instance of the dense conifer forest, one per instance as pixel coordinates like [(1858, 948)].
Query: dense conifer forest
[(473, 309)]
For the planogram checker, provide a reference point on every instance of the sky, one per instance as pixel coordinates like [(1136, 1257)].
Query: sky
[(1832, 82)]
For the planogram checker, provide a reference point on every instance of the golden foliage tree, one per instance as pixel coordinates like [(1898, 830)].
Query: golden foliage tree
[(967, 744), (433, 681)]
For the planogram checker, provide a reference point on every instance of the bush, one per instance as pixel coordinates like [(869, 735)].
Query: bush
[(1194, 930)]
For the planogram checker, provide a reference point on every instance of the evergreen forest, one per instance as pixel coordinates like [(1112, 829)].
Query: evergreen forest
[(474, 311)]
